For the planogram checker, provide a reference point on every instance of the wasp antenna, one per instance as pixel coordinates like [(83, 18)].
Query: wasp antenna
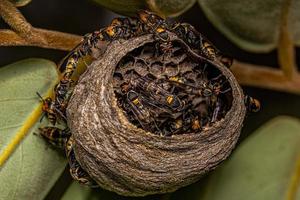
[(40, 96)]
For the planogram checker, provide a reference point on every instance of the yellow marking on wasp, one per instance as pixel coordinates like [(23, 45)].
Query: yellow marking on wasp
[(160, 30), (115, 22), (256, 103), (110, 31), (22, 132), (170, 99), (210, 50), (178, 124), (143, 17), (196, 125), (136, 101), (175, 79)]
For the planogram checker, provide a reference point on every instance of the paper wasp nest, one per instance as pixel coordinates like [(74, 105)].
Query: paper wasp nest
[(150, 118)]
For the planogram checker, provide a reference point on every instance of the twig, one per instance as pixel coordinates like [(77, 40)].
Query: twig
[(286, 49), (265, 77), (23, 34), (12, 16), (53, 39)]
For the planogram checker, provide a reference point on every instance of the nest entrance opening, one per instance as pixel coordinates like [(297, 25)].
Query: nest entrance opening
[(165, 90)]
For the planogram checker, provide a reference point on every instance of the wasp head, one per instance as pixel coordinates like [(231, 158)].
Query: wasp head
[(149, 18)]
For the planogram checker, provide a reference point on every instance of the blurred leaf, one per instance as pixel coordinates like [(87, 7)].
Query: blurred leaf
[(124, 7), (253, 25), (170, 8), (163, 8), (264, 167), (20, 3), (78, 192), (32, 167)]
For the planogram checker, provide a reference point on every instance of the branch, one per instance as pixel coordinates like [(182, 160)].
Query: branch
[(265, 77), (23, 34), (12, 16), (53, 39), (286, 50)]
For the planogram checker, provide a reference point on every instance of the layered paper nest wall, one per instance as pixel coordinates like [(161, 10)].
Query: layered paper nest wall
[(130, 161)]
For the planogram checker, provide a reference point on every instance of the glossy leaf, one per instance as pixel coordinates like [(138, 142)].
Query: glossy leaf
[(171, 8), (20, 3), (253, 25), (32, 166), (164, 8), (122, 7), (264, 167), (78, 192)]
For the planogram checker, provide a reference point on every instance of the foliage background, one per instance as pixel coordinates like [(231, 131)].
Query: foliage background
[(80, 17)]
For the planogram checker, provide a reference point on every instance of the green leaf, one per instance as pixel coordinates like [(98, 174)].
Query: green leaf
[(253, 25), (29, 168), (163, 8), (171, 8), (20, 3), (264, 167), (78, 192), (128, 7)]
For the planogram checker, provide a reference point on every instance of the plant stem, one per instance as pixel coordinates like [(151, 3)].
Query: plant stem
[(265, 77), (12, 16), (53, 39), (23, 34), (286, 50)]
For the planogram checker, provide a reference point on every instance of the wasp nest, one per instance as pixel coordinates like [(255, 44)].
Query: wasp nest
[(150, 117)]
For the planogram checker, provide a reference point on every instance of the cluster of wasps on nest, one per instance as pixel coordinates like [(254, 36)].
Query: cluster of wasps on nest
[(165, 92), (159, 88)]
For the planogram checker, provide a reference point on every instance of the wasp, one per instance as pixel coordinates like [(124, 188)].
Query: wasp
[(63, 91), (216, 111), (196, 125), (160, 95), (154, 24), (140, 111), (78, 173), (55, 136), (252, 104), (172, 127), (190, 121), (205, 88), (49, 109), (197, 41), (76, 170)]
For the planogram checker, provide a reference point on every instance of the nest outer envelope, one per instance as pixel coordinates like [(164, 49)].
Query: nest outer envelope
[(129, 160)]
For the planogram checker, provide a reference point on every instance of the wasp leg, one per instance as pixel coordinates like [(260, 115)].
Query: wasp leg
[(197, 41), (76, 170), (55, 136)]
